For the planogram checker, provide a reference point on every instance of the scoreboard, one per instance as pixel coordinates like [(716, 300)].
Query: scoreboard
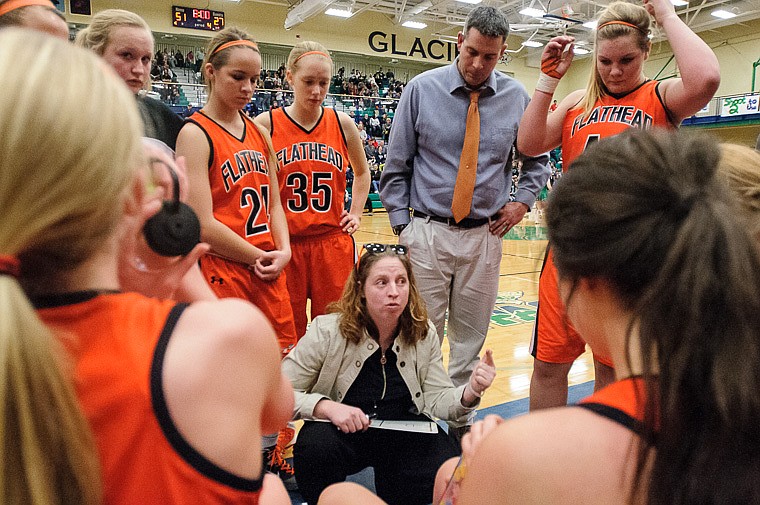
[(197, 19)]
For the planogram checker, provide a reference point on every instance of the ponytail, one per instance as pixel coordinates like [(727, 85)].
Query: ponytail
[(47, 453), (646, 212)]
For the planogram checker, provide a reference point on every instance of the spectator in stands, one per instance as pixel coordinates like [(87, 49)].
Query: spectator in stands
[(155, 70), (381, 324), (174, 95), (380, 154), (386, 129), (190, 59), (40, 15), (148, 404), (374, 126), (369, 149), (160, 58), (124, 40), (166, 72), (376, 173)]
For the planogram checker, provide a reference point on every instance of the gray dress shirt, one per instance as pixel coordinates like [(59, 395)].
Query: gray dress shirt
[(426, 143)]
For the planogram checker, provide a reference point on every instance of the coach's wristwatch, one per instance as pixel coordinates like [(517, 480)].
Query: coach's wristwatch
[(399, 228)]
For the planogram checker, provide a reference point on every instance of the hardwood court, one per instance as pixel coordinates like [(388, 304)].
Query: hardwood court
[(512, 321)]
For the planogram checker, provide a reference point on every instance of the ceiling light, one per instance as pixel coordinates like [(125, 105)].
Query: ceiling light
[(305, 10), (414, 24), (591, 25), (580, 50), (532, 43), (679, 3), (720, 13), (420, 7), (341, 13), (470, 1), (533, 12)]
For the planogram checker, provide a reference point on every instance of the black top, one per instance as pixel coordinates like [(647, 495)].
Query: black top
[(367, 390), (159, 121)]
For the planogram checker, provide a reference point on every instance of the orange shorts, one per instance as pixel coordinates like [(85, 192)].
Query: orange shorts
[(230, 279), (554, 338), (318, 270)]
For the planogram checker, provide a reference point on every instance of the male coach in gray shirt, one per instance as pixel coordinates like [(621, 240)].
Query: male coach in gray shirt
[(456, 261)]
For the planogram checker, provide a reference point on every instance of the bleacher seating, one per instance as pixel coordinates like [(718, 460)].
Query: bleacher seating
[(376, 203)]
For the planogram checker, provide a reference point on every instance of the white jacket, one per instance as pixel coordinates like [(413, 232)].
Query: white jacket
[(324, 365)]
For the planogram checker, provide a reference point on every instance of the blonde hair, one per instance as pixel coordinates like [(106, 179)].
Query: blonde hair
[(97, 36), (69, 154), (300, 49), (616, 11), (16, 17), (740, 168), (219, 58)]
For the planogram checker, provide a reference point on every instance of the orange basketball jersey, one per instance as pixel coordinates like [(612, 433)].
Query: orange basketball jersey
[(238, 173), (623, 401), (555, 340), (117, 344), (313, 171), (641, 108)]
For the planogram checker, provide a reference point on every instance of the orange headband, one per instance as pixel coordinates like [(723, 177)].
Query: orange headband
[(12, 5), (620, 23), (321, 53), (235, 43), (10, 265)]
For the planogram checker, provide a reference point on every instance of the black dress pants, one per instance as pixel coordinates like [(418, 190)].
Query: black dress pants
[(404, 463)]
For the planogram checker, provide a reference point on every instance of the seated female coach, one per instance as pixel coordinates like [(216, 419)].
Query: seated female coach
[(376, 356)]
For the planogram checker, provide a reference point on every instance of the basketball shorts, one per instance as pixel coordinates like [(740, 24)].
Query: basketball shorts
[(230, 279), (318, 270), (554, 338)]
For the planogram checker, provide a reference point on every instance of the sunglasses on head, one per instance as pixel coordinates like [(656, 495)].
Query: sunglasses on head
[(375, 248)]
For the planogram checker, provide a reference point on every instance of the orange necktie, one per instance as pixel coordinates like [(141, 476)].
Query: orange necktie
[(468, 162)]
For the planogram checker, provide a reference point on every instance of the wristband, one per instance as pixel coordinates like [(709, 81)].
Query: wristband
[(547, 84)]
